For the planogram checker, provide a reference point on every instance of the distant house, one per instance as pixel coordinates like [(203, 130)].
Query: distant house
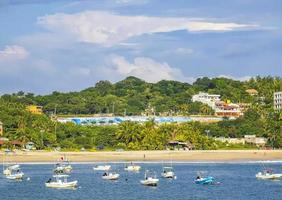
[(17, 143), (209, 99), (3, 141), (252, 92), (277, 100), (258, 141), (35, 109), (30, 146), (178, 145), (231, 140)]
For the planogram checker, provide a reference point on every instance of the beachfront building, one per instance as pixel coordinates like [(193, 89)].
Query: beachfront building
[(254, 140), (221, 108), (230, 140), (35, 109), (248, 139), (179, 145), (1, 128), (209, 99), (277, 100)]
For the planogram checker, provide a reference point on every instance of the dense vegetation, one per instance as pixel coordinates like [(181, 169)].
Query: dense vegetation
[(134, 96)]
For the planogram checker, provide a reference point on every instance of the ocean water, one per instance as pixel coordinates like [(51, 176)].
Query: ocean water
[(237, 181)]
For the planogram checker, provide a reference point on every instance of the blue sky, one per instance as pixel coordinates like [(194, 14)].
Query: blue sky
[(67, 45)]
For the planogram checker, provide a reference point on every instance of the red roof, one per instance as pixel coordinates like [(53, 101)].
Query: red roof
[(16, 142)]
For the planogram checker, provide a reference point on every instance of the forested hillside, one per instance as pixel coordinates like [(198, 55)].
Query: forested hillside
[(134, 96)]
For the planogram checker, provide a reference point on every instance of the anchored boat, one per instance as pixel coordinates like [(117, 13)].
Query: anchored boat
[(132, 167), (268, 175), (63, 166), (102, 167), (60, 182), (204, 180), (150, 179), (110, 176), (168, 172)]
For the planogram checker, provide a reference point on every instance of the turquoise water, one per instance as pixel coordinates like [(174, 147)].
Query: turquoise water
[(237, 182)]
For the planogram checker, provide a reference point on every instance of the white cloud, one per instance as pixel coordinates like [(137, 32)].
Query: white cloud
[(108, 28), (146, 69), (13, 52), (131, 2)]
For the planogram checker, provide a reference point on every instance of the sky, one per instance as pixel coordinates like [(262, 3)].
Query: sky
[(69, 45)]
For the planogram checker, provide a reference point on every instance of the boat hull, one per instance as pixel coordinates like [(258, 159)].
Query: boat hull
[(168, 175), (268, 176), (135, 168), (205, 181), (111, 177), (72, 184), (102, 168), (18, 176), (150, 182)]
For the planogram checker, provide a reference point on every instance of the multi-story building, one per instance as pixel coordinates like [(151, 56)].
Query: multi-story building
[(209, 99), (277, 100), (221, 108)]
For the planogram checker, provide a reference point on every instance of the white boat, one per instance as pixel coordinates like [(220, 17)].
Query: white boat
[(132, 167), (63, 166), (268, 175), (110, 176), (149, 179), (15, 176), (60, 182), (168, 172), (9, 169), (102, 167), (13, 172)]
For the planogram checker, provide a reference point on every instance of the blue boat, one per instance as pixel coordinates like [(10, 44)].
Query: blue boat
[(205, 180)]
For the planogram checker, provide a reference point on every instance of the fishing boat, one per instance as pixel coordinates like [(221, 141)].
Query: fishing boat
[(204, 180), (18, 175), (13, 172), (268, 175), (102, 167), (132, 167), (168, 172), (9, 169), (60, 182), (63, 166), (110, 176), (150, 179)]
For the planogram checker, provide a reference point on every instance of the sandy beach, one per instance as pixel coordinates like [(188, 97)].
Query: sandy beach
[(192, 156)]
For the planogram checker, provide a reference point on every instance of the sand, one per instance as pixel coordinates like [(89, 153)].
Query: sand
[(187, 156)]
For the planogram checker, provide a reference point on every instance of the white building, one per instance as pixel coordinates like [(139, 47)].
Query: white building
[(277, 100), (209, 99)]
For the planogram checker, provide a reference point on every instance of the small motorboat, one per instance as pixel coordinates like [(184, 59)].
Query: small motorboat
[(268, 175), (62, 169), (8, 170), (204, 180), (132, 168), (60, 182), (168, 172), (102, 168), (110, 176), (13, 172), (149, 179), (63, 166), (15, 176)]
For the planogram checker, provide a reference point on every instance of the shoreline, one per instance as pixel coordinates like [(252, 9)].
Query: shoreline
[(196, 156)]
